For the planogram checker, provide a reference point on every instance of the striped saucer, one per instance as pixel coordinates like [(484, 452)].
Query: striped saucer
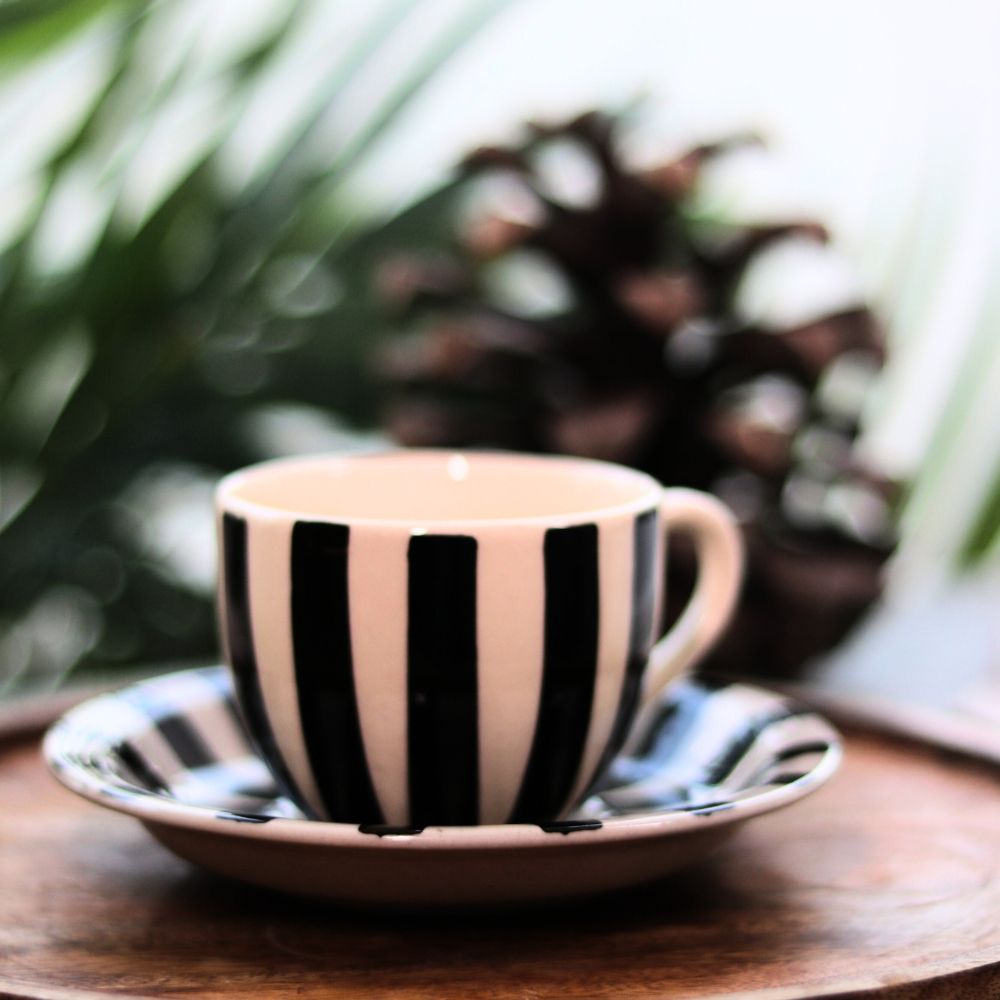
[(172, 752)]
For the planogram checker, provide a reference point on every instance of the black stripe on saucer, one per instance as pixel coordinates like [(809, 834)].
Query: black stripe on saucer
[(185, 741), (147, 776)]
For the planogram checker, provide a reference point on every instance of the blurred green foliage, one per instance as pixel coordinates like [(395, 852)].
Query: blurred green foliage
[(166, 313)]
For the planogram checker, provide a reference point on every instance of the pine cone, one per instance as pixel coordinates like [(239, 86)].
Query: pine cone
[(633, 350)]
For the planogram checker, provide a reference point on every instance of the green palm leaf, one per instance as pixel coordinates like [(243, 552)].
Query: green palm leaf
[(148, 356)]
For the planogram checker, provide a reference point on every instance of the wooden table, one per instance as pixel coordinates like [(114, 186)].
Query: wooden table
[(887, 880)]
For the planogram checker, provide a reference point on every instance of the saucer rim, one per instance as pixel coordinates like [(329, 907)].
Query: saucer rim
[(64, 740)]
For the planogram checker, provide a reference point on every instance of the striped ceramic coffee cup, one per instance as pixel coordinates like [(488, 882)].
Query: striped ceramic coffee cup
[(436, 638)]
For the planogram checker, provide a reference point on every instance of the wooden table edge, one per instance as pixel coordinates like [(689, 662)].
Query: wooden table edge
[(13, 991), (962, 982), (952, 984)]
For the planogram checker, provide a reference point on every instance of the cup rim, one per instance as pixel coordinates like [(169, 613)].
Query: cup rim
[(228, 501)]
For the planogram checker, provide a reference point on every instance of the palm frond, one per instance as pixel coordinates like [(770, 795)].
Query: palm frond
[(146, 356)]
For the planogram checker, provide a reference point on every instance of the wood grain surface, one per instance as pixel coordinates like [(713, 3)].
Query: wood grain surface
[(885, 883)]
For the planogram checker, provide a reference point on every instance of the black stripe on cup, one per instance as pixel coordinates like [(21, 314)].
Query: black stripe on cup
[(640, 632), (442, 709), (324, 672), (568, 673), (236, 594)]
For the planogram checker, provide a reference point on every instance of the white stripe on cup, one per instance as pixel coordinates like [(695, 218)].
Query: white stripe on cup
[(377, 576), (510, 632), (269, 583)]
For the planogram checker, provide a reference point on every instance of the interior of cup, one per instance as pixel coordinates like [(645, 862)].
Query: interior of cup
[(436, 486)]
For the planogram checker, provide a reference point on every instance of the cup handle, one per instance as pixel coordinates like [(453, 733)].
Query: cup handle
[(719, 548)]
